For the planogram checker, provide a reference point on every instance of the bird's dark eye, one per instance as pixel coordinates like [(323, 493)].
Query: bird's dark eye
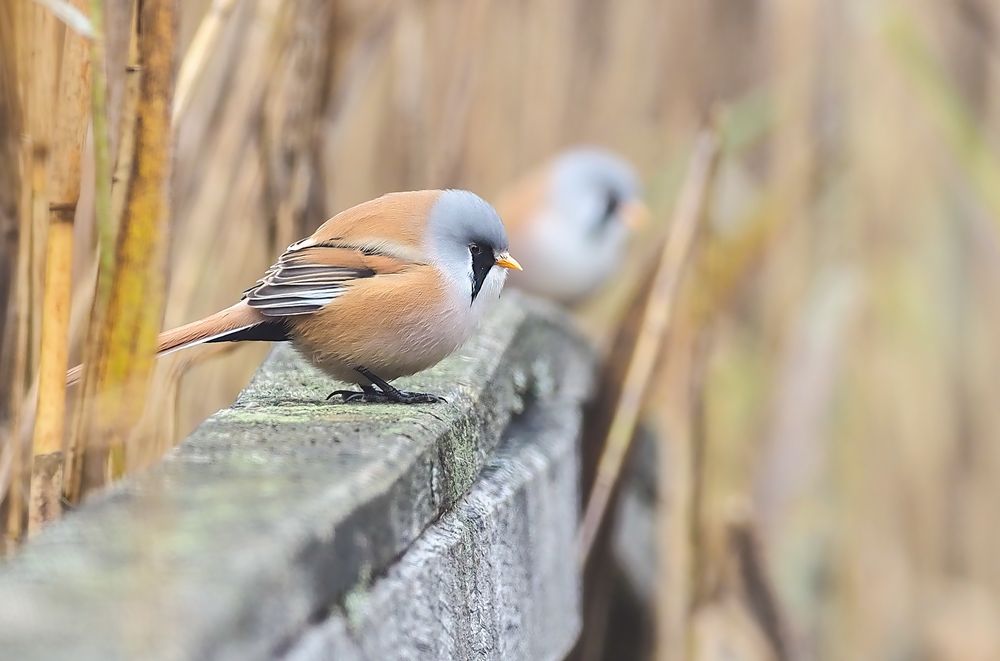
[(476, 249)]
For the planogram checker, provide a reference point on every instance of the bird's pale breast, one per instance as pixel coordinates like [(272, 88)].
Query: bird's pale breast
[(394, 325)]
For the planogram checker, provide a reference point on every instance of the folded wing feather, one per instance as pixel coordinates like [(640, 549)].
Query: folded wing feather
[(305, 279)]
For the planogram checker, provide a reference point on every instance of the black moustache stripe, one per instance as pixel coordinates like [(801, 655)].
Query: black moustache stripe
[(481, 265)]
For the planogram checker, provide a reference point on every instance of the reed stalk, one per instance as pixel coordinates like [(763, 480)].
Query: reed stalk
[(71, 121), (653, 329), (36, 41), (106, 229), (11, 267), (126, 338)]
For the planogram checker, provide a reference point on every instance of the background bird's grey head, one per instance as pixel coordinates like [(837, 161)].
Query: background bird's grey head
[(579, 236), (589, 188), (458, 220)]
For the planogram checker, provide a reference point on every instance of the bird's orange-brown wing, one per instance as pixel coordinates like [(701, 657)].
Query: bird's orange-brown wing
[(306, 278), (379, 237)]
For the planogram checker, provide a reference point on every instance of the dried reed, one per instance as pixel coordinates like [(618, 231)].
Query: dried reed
[(662, 294), (118, 369), (71, 120)]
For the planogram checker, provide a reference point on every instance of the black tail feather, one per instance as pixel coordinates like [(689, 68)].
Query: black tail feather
[(268, 331)]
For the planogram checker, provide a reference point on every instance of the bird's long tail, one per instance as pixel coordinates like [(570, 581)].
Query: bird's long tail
[(238, 323)]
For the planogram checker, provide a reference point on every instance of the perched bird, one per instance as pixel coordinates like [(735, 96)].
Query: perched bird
[(569, 222), (384, 289)]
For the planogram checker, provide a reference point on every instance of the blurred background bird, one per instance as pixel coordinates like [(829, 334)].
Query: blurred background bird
[(569, 222)]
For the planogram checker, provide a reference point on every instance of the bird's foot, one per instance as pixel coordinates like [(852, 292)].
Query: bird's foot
[(392, 397), (404, 397), (355, 397)]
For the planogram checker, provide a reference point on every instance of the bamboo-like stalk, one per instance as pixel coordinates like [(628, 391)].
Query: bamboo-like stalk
[(11, 266), (36, 42), (64, 186), (10, 185), (652, 331), (680, 471), (85, 289), (102, 151), (124, 159), (123, 166), (14, 363), (198, 54), (105, 233), (119, 372)]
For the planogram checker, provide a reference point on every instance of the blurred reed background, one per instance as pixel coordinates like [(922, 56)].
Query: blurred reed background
[(829, 389)]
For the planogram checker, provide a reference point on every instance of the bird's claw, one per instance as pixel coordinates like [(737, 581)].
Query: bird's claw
[(396, 397), (420, 398), (345, 395)]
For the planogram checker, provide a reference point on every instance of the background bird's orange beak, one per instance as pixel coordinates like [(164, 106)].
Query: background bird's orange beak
[(635, 215), (505, 260)]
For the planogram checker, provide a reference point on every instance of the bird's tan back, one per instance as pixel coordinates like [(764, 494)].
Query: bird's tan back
[(402, 216)]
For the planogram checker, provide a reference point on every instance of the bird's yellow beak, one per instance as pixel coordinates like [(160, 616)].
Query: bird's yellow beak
[(635, 215), (506, 261)]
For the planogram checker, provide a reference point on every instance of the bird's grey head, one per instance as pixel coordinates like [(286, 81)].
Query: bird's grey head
[(591, 190), (469, 244)]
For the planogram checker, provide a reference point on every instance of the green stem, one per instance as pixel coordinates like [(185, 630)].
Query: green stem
[(102, 158)]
